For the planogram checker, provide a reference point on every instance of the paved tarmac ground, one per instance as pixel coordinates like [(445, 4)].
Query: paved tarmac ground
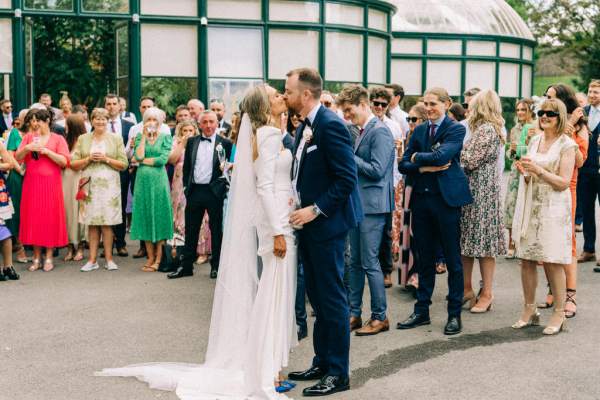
[(58, 328)]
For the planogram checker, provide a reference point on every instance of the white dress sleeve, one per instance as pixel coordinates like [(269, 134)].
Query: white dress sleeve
[(269, 146)]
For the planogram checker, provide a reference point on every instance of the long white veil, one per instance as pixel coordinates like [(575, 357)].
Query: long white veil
[(222, 375)]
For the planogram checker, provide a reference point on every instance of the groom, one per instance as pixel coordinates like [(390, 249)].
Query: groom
[(325, 177)]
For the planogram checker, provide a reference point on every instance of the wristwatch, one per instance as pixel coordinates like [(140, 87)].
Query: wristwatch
[(316, 210)]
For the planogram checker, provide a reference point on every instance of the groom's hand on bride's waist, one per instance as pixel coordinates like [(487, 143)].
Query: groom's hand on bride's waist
[(303, 216)]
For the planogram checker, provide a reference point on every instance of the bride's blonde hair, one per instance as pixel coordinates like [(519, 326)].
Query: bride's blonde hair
[(258, 107)]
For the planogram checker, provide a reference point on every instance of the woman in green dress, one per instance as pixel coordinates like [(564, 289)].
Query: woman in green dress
[(152, 219), (14, 184)]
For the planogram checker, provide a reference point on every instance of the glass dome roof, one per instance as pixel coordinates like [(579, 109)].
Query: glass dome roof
[(481, 17)]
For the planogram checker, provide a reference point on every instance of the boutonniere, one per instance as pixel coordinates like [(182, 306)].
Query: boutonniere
[(307, 135), (436, 146), (219, 148)]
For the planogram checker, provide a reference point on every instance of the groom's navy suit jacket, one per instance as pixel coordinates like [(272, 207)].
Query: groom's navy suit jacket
[(327, 177)]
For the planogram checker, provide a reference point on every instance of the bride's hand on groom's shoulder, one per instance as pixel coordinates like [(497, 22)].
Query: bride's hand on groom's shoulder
[(302, 216)]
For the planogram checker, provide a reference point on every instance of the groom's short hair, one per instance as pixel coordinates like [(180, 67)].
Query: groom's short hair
[(353, 94), (310, 79)]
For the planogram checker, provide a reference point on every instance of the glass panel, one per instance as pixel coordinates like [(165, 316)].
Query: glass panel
[(526, 81), (61, 5), (481, 48), (170, 92), (344, 57), (231, 91), (510, 50), (5, 3), (407, 46), (29, 48), (481, 75), (378, 20), (235, 53), (508, 85), (108, 6), (344, 15), (234, 9), (289, 49), (527, 53), (296, 11), (169, 50), (446, 47), (184, 8), (6, 53), (123, 87), (122, 38), (377, 60), (445, 74), (408, 74)]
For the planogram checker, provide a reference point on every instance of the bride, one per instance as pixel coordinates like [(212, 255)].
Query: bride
[(253, 323)]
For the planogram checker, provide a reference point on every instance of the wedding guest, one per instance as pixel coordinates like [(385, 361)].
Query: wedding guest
[(218, 107), (205, 190), (396, 113), (196, 108), (542, 227), (518, 139), (482, 231), (456, 112), (66, 108), (374, 156), (14, 183), (152, 219), (126, 115), (74, 128), (327, 100), (43, 220), (7, 271), (582, 99), (440, 189), (182, 113), (100, 156), (46, 100), (81, 111), (8, 116)]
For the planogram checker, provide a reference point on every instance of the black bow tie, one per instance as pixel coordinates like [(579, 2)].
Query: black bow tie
[(202, 138)]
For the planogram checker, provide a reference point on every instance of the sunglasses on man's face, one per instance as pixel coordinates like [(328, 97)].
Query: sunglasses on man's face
[(547, 113), (412, 119), (465, 106), (327, 104), (381, 104)]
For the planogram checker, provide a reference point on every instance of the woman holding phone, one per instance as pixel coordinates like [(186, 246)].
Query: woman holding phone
[(152, 219)]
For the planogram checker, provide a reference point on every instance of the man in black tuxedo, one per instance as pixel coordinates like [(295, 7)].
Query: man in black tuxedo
[(8, 116), (121, 127), (218, 107), (205, 189)]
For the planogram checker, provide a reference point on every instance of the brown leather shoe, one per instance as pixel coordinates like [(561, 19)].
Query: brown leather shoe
[(355, 323), (387, 281), (585, 257), (373, 327)]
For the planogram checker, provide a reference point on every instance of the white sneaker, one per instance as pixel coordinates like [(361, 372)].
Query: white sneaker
[(88, 267), (111, 266)]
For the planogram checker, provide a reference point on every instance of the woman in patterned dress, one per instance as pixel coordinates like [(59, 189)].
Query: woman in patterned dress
[(101, 156), (518, 139), (482, 231), (542, 225)]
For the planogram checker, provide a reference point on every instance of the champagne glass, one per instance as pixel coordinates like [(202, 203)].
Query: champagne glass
[(522, 152), (297, 206)]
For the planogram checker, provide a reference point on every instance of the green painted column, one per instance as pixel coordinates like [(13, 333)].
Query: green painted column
[(19, 95), (135, 58)]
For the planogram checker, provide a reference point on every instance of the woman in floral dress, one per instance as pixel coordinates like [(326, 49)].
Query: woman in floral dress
[(482, 231), (100, 155)]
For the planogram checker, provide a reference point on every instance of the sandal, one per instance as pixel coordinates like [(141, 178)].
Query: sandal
[(48, 265), (69, 256), (510, 254), (150, 268), (79, 255), (549, 300), (21, 257), (35, 266), (571, 304)]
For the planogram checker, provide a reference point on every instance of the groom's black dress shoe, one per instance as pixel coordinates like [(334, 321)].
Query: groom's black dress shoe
[(453, 326), (309, 375), (180, 273), (413, 321), (330, 384), (213, 274)]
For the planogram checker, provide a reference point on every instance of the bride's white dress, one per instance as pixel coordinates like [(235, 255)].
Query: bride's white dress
[(253, 322)]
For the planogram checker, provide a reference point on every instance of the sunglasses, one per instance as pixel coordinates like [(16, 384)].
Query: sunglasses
[(412, 119), (547, 113), (327, 104), (465, 106), (381, 104)]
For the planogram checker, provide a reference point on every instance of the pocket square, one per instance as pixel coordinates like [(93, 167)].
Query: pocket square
[(311, 148)]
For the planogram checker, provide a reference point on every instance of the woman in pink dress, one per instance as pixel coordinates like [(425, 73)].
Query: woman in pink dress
[(43, 220)]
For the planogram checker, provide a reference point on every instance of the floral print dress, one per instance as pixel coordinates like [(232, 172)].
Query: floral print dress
[(482, 230)]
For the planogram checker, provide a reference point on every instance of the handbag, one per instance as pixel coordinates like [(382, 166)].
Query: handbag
[(82, 193)]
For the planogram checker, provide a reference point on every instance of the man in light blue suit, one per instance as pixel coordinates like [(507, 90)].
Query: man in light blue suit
[(374, 155)]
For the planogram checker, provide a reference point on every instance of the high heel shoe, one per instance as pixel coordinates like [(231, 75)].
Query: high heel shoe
[(554, 330), (477, 309), (470, 298), (534, 319)]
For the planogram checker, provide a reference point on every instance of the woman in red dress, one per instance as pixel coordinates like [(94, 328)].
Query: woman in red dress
[(43, 220)]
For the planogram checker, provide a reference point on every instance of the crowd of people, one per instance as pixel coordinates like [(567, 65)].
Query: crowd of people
[(429, 180)]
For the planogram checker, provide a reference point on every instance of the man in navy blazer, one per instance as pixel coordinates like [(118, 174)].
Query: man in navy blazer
[(374, 155), (8, 116), (440, 188), (325, 179)]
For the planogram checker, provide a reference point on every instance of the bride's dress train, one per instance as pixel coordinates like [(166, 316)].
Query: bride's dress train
[(253, 321)]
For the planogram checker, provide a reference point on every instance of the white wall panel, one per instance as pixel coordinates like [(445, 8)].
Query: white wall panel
[(378, 20), (510, 50), (526, 81), (295, 11), (185, 8), (408, 74), (233, 9), (169, 50), (289, 49), (508, 82), (6, 53), (377, 60), (481, 48), (445, 47), (235, 53), (480, 74), (407, 46), (445, 74), (342, 14), (344, 57)]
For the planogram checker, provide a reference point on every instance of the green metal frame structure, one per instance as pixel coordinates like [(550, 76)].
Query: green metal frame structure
[(18, 13), (464, 57)]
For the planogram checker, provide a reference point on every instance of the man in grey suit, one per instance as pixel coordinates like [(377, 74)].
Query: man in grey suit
[(374, 156)]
